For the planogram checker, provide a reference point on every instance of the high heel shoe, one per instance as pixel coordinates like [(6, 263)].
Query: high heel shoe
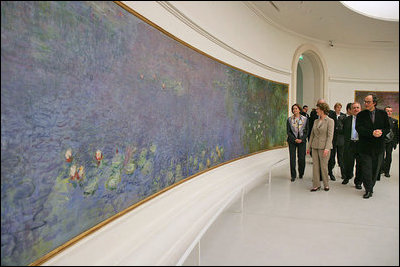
[(315, 189), (326, 188)]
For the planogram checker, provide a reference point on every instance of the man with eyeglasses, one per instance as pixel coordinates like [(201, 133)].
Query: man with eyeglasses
[(372, 125)]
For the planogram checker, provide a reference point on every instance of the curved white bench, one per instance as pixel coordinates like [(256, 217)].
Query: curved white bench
[(165, 229)]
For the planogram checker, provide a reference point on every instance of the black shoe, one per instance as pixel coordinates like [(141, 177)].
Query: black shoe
[(315, 189), (345, 181), (367, 195), (332, 177), (387, 175), (358, 186), (326, 188), (293, 178)]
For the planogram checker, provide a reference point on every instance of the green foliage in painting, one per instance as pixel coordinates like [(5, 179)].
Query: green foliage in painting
[(263, 105)]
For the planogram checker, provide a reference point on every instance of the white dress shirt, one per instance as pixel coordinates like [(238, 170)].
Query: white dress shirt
[(354, 134)]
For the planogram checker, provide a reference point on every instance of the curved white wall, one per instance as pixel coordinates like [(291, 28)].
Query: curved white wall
[(235, 33)]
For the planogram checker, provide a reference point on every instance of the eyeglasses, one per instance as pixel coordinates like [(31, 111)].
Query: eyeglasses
[(366, 102)]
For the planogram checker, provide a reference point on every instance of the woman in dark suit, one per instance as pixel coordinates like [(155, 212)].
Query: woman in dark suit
[(297, 129), (321, 144)]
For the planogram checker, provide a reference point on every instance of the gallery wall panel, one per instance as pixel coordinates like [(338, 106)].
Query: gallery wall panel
[(101, 110)]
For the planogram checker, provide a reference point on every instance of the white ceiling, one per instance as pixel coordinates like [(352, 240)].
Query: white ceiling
[(385, 10), (329, 20)]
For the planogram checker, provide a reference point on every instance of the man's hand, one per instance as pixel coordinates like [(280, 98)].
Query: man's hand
[(377, 133)]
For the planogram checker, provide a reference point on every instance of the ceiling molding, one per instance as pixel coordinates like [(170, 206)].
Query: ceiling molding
[(361, 80), (179, 15)]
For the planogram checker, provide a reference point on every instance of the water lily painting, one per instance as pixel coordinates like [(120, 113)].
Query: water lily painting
[(100, 110)]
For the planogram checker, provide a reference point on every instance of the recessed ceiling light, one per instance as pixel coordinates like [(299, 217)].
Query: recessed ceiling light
[(383, 10)]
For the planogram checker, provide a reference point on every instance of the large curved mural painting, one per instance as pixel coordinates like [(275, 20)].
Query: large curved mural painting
[(100, 110)]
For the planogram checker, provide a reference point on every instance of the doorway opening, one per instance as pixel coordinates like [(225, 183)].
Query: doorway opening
[(308, 77)]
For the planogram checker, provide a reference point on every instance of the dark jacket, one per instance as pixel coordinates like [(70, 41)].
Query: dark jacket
[(304, 114), (291, 136), (311, 119), (339, 129), (347, 122), (393, 137), (365, 128)]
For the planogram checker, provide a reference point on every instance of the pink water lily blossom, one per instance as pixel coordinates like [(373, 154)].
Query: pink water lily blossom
[(98, 156), (68, 155)]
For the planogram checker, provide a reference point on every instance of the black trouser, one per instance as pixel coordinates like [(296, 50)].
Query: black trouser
[(387, 161), (301, 155), (351, 156), (332, 162), (370, 167)]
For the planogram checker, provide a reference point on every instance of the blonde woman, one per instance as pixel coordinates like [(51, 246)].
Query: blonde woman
[(321, 144)]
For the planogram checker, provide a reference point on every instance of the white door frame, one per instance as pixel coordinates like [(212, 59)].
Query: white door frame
[(320, 73)]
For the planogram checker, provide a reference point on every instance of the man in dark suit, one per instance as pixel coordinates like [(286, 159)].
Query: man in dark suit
[(350, 154), (372, 126), (391, 141), (304, 112), (349, 111), (337, 143), (312, 118)]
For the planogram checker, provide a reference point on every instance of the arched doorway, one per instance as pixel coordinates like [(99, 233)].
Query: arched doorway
[(309, 77)]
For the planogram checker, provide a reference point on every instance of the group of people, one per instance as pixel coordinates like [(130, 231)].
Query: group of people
[(363, 139)]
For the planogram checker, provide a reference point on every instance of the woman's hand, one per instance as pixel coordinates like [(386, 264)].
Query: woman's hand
[(308, 151), (326, 151), (298, 141)]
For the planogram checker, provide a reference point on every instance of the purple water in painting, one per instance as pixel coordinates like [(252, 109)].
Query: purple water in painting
[(99, 110)]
